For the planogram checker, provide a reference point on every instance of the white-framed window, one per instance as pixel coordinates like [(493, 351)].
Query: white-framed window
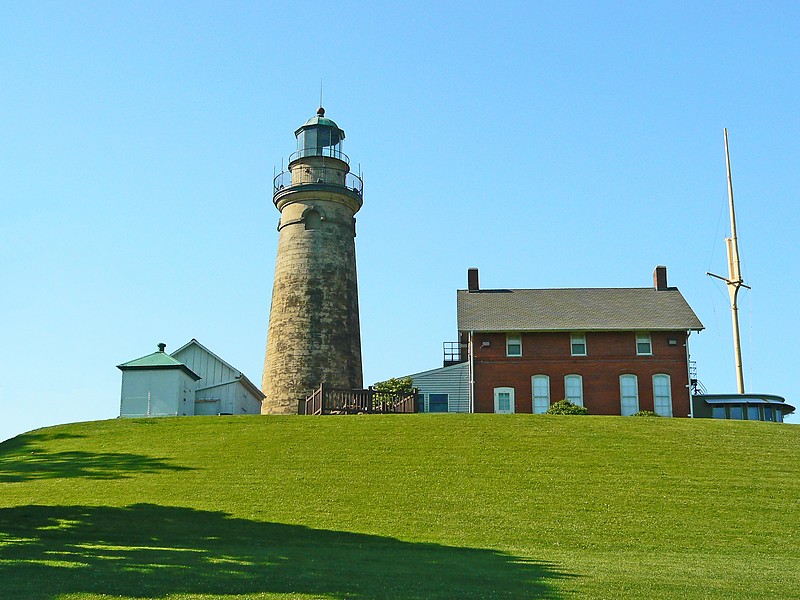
[(644, 346), (573, 389), (504, 400), (513, 344), (662, 395), (629, 395), (577, 343), (541, 393)]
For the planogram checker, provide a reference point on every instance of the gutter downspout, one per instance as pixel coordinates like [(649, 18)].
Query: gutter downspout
[(470, 349), (689, 376)]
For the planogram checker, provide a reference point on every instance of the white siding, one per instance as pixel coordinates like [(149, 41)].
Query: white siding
[(229, 398), (220, 391), (156, 392), (211, 369), (452, 380)]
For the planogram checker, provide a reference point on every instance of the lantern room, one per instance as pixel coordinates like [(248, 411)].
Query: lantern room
[(319, 136)]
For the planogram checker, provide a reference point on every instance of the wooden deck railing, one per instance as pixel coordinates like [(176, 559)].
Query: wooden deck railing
[(334, 401)]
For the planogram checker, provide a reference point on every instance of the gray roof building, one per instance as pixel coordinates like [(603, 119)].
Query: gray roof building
[(577, 309)]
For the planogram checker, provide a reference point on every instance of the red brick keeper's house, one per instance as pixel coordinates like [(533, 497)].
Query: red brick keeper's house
[(615, 351)]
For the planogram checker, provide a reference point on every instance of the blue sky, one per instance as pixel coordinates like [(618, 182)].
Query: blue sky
[(547, 145)]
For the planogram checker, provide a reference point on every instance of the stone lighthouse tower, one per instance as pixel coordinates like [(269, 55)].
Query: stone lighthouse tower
[(314, 334)]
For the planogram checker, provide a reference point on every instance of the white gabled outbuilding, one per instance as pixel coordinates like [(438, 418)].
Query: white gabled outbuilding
[(157, 385), (443, 390), (190, 381), (222, 389)]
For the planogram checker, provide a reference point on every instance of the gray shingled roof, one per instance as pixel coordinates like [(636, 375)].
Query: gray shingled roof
[(578, 309)]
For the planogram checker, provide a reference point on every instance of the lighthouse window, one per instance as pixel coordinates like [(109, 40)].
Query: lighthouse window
[(313, 219)]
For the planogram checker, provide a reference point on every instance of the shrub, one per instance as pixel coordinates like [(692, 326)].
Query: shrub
[(645, 413), (389, 390), (395, 385), (565, 407)]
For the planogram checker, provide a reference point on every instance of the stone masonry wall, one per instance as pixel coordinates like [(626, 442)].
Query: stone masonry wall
[(314, 333)]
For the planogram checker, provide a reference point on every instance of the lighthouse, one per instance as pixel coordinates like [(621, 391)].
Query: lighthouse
[(314, 334)]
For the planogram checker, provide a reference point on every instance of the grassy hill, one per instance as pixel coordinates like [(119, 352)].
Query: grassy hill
[(401, 506)]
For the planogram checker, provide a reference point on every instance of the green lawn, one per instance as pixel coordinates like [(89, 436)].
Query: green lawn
[(401, 506)]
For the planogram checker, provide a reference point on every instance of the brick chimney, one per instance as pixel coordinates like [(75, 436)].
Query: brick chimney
[(660, 278), (472, 279)]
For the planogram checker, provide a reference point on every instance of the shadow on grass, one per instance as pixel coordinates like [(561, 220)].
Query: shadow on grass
[(153, 551), (25, 457)]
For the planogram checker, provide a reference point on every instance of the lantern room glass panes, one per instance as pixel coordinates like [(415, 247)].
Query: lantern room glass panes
[(319, 140)]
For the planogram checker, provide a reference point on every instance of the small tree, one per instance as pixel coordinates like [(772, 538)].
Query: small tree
[(565, 407), (392, 388)]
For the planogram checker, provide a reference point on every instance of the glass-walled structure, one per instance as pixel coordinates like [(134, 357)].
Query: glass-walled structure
[(320, 136), (746, 407)]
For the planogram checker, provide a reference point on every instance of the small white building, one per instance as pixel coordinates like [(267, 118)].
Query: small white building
[(222, 390), (190, 381), (443, 390)]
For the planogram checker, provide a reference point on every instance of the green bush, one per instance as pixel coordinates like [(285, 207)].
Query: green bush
[(645, 413), (565, 407), (395, 385), (389, 390)]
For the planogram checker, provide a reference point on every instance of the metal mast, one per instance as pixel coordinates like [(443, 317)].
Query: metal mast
[(734, 280)]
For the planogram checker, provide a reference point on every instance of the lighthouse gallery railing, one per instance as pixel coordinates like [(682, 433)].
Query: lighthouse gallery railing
[(318, 176)]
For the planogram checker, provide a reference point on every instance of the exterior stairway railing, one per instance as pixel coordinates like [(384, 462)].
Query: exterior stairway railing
[(327, 400)]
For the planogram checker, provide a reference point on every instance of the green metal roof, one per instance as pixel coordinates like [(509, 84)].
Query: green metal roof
[(158, 360), (320, 120)]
